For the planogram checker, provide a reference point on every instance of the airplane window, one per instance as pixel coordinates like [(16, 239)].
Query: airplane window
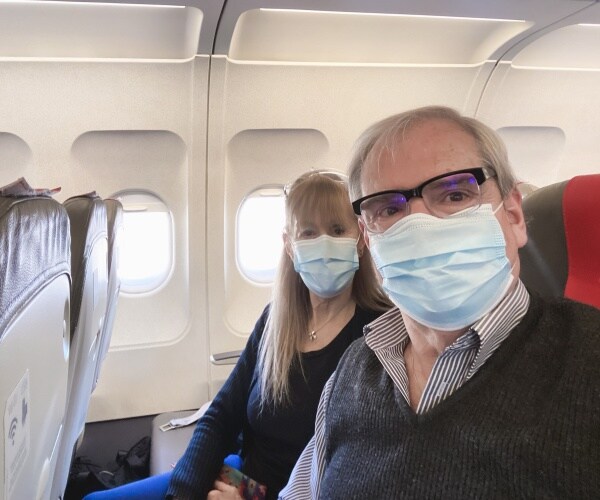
[(146, 257), (260, 222)]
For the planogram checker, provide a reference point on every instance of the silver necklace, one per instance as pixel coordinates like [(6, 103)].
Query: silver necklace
[(312, 334)]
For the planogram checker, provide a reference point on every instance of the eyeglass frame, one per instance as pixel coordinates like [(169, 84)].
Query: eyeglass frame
[(481, 174), (329, 174)]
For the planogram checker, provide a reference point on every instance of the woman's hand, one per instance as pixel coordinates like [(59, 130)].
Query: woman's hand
[(223, 491)]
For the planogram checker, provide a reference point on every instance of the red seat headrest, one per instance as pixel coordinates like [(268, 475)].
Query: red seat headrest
[(581, 212)]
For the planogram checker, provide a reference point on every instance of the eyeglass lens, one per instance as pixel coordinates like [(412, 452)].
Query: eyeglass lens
[(443, 197)]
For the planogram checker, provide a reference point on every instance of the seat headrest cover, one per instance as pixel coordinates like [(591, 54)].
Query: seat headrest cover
[(581, 207), (87, 216), (35, 248), (21, 189), (114, 218), (544, 265)]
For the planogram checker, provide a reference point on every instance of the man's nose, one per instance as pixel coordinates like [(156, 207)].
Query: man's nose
[(417, 206)]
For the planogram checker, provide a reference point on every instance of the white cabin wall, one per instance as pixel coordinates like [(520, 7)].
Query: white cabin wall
[(159, 356), (61, 111), (87, 121), (543, 98)]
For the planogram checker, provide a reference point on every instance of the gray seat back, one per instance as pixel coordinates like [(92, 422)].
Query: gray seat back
[(89, 251), (34, 341), (114, 217)]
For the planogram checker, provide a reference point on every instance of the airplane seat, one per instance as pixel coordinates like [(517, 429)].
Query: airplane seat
[(169, 443), (89, 266), (114, 217), (168, 447), (35, 284), (561, 255)]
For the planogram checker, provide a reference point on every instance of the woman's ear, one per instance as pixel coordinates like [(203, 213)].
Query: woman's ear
[(363, 231), (287, 243)]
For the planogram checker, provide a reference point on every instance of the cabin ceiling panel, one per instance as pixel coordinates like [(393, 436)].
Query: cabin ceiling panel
[(100, 30), (539, 12), (211, 10), (335, 37)]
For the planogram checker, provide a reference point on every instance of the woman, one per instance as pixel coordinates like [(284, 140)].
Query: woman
[(325, 291)]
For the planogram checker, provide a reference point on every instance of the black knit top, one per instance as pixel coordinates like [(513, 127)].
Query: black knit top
[(527, 425), (271, 440)]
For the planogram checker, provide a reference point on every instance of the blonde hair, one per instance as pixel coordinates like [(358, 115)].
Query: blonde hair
[(312, 194)]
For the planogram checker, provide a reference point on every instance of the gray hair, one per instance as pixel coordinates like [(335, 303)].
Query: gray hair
[(384, 134)]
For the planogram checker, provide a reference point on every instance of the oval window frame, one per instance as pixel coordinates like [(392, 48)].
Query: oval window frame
[(139, 201)]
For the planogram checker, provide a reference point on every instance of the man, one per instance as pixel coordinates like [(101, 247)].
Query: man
[(472, 387)]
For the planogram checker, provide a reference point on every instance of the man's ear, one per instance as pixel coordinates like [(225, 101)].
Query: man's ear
[(363, 230), (513, 207), (360, 244)]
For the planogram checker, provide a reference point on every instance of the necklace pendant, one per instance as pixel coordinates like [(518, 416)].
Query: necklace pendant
[(312, 335)]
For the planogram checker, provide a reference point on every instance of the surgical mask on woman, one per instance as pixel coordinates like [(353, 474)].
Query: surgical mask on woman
[(326, 264), (444, 273)]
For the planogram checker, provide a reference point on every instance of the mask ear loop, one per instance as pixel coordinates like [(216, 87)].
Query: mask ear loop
[(498, 207), (514, 264)]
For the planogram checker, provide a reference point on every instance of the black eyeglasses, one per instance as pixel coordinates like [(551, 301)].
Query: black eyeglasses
[(443, 195)]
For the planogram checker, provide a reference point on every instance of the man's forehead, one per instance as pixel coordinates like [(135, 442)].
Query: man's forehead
[(429, 149)]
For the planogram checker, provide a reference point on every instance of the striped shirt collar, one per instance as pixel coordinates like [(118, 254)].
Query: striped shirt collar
[(387, 337), (496, 325), (388, 330)]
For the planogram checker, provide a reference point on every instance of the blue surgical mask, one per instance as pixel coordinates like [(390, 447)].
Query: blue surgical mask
[(326, 264), (444, 273)]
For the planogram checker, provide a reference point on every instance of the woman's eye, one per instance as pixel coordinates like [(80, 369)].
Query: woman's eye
[(303, 234)]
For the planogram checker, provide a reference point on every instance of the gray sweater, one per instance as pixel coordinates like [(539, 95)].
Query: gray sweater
[(526, 426)]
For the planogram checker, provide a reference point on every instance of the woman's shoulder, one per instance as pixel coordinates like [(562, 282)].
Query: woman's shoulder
[(259, 328)]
